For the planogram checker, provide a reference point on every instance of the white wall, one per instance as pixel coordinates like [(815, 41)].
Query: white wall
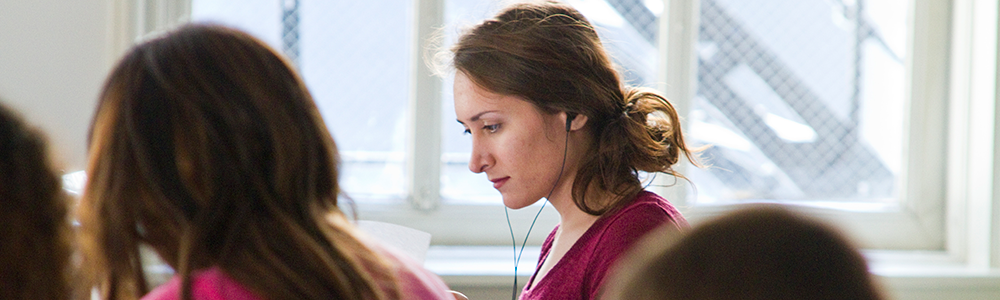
[(54, 55)]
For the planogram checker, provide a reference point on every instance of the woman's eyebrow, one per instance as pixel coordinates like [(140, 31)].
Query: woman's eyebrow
[(475, 117)]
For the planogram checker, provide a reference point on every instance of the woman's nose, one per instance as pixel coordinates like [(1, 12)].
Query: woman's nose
[(480, 159)]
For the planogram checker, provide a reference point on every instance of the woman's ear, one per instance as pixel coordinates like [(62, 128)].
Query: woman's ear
[(575, 122)]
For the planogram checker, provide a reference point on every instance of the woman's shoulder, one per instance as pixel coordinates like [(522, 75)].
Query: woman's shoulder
[(208, 284), (647, 208), (618, 229), (615, 232)]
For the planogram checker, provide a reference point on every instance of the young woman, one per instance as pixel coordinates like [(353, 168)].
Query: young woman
[(207, 147), (550, 117), (764, 252), (34, 229)]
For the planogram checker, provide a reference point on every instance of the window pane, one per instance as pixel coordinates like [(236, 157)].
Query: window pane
[(357, 70), (458, 184), (801, 100), (628, 30), (261, 18)]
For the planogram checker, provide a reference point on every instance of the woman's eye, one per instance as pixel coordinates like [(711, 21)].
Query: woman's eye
[(467, 131), (492, 128)]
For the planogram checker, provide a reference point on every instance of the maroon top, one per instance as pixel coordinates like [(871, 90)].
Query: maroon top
[(580, 273)]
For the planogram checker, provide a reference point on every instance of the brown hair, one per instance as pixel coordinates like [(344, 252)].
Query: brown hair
[(764, 252), (550, 55), (207, 146), (34, 230)]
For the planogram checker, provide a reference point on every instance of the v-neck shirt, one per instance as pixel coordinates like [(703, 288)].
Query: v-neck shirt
[(582, 270)]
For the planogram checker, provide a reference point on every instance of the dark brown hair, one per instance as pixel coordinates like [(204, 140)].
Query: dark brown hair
[(207, 146), (763, 252), (34, 230), (549, 54)]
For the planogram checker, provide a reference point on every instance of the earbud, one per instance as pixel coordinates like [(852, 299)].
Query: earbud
[(569, 122)]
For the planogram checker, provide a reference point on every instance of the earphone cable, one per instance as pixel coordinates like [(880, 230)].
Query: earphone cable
[(517, 255)]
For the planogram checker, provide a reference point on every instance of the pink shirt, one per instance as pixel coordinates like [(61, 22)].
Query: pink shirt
[(414, 283), (580, 273), (208, 284)]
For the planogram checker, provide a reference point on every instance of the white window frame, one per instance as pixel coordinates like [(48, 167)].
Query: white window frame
[(947, 213), (918, 222), (947, 216), (134, 19), (972, 184)]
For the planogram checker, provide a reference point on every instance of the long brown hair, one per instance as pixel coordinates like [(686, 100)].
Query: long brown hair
[(34, 229), (207, 146), (759, 252), (550, 55)]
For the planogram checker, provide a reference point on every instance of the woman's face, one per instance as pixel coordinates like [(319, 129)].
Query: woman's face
[(518, 147)]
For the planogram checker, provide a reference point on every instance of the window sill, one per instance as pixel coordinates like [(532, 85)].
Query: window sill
[(480, 266), (904, 274)]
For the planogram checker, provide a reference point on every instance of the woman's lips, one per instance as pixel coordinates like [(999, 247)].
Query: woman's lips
[(497, 183)]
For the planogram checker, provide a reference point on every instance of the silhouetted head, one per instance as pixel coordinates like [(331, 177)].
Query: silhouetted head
[(34, 229), (208, 147), (755, 253)]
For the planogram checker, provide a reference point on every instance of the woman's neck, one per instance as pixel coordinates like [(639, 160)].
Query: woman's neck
[(571, 217)]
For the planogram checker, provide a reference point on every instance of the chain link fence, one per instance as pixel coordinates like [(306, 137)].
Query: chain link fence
[(781, 88)]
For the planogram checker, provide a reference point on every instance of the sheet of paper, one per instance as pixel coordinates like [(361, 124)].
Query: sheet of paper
[(404, 239)]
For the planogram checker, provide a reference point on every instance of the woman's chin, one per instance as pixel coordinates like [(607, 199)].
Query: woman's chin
[(517, 203)]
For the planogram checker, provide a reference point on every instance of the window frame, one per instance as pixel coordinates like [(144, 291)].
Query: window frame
[(917, 223), (972, 184), (947, 212), (132, 20), (945, 196)]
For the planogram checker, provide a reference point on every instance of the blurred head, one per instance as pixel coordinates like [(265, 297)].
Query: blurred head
[(207, 146), (34, 230), (756, 253), (550, 56)]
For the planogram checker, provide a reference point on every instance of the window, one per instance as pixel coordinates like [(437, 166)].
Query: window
[(356, 69), (921, 179), (363, 81), (803, 100), (823, 105)]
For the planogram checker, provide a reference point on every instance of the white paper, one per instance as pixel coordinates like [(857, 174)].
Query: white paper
[(401, 238)]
